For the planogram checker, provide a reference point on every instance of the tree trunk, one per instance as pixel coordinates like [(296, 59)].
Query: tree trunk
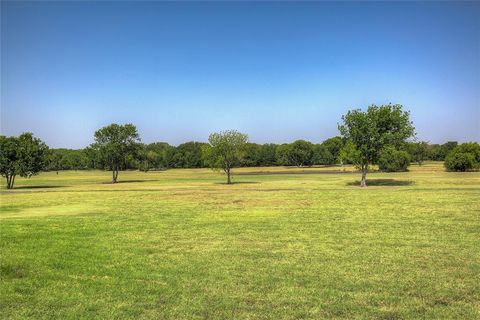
[(114, 175), (10, 181), (363, 183), (229, 178)]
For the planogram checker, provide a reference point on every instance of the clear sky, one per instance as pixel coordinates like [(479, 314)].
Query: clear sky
[(277, 71)]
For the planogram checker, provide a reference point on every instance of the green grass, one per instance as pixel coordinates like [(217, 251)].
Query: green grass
[(286, 243)]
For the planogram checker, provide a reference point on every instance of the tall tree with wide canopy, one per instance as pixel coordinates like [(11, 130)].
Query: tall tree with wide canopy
[(224, 151), (114, 143), (372, 130), (23, 156)]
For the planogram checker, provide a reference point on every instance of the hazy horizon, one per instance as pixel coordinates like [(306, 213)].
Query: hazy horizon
[(278, 71)]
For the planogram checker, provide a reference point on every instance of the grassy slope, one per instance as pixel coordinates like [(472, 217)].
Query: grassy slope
[(179, 244)]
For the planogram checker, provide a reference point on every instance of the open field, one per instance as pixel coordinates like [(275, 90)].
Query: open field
[(278, 244)]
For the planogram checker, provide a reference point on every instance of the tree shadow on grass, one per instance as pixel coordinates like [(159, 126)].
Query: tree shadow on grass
[(37, 187), (129, 181), (239, 182), (383, 182), (294, 172)]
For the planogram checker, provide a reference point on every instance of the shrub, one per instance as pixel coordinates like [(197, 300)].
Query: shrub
[(464, 157), (392, 160), (471, 147)]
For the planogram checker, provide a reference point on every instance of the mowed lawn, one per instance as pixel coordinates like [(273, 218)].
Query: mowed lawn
[(281, 243)]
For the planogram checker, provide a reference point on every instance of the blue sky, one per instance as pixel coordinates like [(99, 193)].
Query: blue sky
[(277, 71)]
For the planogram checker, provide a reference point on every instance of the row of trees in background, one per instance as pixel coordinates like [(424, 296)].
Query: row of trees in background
[(161, 155), (381, 135)]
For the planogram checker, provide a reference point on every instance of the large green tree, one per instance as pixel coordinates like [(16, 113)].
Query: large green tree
[(372, 130), (267, 154), (298, 153), (225, 151), (333, 145), (23, 156), (114, 144), (251, 155), (189, 155)]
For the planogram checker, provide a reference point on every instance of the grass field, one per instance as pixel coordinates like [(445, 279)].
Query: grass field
[(281, 243)]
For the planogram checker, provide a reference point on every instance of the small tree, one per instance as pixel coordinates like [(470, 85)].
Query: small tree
[(114, 143), (459, 161), (392, 160), (24, 156), (224, 151), (464, 157), (372, 130), (418, 151)]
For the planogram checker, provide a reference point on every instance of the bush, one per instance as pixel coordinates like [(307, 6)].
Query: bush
[(471, 147), (392, 160), (464, 157)]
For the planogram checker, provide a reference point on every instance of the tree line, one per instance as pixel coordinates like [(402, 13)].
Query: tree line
[(161, 155), (380, 135)]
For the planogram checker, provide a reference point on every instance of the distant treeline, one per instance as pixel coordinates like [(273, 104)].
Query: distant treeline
[(161, 155), (380, 135)]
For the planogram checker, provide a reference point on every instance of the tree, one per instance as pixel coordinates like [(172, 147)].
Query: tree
[(321, 155), (189, 155), (224, 151), (459, 161), (464, 157), (92, 158), (160, 149), (281, 154), (333, 146), (24, 156), (114, 143), (418, 151), (145, 159), (441, 152), (348, 154), (298, 153), (392, 160), (301, 153), (372, 130), (251, 155), (67, 159), (267, 154)]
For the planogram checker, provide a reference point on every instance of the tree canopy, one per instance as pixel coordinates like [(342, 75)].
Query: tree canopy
[(372, 130), (464, 157), (113, 144), (23, 156), (225, 151)]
